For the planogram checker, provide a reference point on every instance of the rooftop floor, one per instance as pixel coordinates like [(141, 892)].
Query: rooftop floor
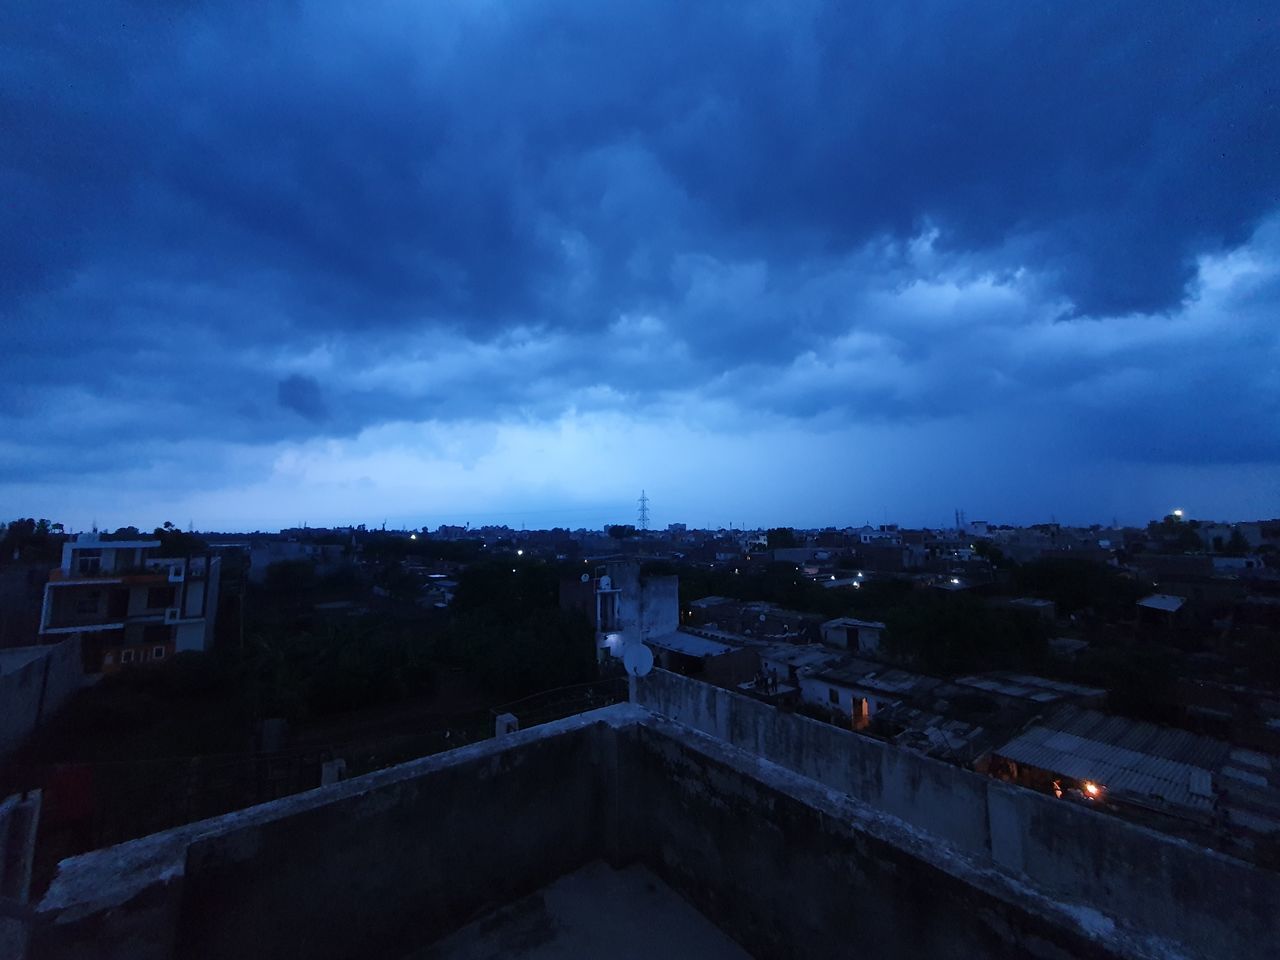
[(596, 911)]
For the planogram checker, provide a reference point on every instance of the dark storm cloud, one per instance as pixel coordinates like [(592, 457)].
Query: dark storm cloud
[(302, 395), (455, 211)]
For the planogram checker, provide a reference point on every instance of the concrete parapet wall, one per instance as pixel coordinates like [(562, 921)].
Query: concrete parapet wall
[(785, 862), (36, 689), (1208, 903), (372, 866), (794, 870)]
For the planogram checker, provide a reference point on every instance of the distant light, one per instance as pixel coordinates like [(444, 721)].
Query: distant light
[(956, 581), (1091, 789), (833, 576), (859, 573), (413, 536), (1178, 514), (519, 553), (857, 586)]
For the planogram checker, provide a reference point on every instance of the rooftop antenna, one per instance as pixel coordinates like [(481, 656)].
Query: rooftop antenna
[(644, 511)]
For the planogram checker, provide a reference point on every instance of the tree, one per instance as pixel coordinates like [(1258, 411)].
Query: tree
[(175, 543), (780, 538), (1074, 584), (289, 579), (991, 553), (621, 531), (31, 541), (1237, 545)]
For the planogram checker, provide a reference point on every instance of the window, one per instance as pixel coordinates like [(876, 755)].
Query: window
[(89, 602), (126, 656), (157, 653), (833, 694), (159, 597), (88, 561)]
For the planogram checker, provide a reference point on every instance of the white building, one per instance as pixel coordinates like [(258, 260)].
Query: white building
[(129, 605), (624, 606)]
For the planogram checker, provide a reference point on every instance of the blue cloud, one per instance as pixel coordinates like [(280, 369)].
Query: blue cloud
[(473, 213)]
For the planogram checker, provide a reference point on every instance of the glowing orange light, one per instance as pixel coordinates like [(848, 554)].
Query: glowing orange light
[(1092, 789)]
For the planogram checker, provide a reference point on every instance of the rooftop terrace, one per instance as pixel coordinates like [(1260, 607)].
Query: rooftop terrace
[(701, 817)]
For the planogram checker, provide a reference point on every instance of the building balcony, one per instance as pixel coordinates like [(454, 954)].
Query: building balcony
[(130, 576)]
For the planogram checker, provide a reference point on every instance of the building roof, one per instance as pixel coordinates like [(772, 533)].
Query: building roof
[(866, 675), (1026, 687), (1162, 601), (710, 602), (689, 644), (1126, 757), (854, 622), (95, 544), (810, 657)]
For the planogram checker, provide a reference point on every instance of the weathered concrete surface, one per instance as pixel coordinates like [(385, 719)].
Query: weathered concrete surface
[(789, 866), (19, 818), (596, 911), (1206, 903), (373, 865), (34, 683), (797, 870)]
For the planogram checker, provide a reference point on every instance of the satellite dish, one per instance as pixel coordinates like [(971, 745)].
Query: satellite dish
[(638, 659), (605, 583), (586, 578)]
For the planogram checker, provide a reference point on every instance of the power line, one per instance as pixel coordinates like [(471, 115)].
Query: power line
[(644, 511)]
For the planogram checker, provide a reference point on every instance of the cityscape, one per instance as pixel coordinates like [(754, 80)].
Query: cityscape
[(153, 680), (579, 479)]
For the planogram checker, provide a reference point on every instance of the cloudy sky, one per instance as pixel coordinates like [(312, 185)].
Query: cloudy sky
[(775, 263)]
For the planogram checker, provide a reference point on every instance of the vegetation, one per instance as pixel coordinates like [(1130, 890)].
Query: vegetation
[(948, 634), (781, 538), (1078, 585), (508, 630), (28, 540)]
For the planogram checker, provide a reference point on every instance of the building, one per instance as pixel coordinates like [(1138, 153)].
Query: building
[(623, 603), (129, 604), (1160, 609), (1158, 774), (856, 636), (859, 689), (695, 654)]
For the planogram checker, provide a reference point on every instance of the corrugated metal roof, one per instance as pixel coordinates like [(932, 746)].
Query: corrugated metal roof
[(687, 643), (1124, 756), (1038, 689), (1162, 601)]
